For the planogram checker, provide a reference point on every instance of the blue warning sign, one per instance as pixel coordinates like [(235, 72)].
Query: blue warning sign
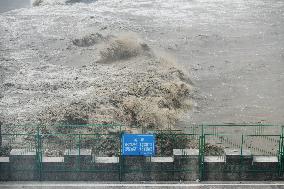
[(138, 144)]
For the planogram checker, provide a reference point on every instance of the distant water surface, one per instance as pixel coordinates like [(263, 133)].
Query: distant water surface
[(7, 5)]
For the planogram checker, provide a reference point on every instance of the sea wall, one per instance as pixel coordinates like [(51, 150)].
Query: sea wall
[(184, 165)]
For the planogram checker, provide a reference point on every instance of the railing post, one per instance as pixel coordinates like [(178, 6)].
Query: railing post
[(242, 142), (280, 153), (39, 153), (201, 154), (1, 134), (120, 156), (79, 153)]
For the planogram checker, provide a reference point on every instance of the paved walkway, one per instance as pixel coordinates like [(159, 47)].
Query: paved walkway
[(205, 185)]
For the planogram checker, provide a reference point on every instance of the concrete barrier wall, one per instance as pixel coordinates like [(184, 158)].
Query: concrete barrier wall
[(4, 168), (184, 165), (160, 168), (265, 168), (23, 165), (186, 162)]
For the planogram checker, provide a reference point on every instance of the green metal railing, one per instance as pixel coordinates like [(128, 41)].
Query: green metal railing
[(259, 140), (104, 139)]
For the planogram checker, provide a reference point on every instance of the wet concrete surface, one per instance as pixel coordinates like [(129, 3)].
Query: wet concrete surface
[(69, 185)]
